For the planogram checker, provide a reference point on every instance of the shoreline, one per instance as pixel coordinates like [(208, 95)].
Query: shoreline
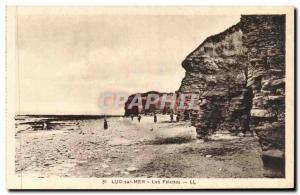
[(132, 149)]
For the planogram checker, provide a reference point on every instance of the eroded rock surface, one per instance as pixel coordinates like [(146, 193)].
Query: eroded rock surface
[(264, 37), (239, 78), (136, 103), (216, 72)]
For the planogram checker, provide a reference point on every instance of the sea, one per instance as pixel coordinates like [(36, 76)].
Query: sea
[(54, 122)]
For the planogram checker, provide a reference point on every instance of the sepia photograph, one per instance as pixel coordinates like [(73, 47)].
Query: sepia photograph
[(149, 97)]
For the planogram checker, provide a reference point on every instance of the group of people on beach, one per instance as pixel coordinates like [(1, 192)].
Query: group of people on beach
[(139, 117), (155, 117)]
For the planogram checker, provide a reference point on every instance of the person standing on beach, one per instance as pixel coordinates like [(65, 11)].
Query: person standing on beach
[(177, 117), (171, 117), (131, 117), (105, 124), (155, 118), (139, 118)]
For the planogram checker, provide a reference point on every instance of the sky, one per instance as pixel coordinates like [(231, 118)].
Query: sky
[(66, 62)]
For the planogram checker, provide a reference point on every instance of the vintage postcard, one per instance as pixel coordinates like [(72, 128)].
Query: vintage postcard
[(150, 97)]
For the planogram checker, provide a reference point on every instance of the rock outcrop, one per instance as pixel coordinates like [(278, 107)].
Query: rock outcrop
[(264, 38), (136, 103), (238, 77), (216, 72)]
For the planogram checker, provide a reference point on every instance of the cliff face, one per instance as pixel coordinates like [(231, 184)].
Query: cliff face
[(264, 38), (238, 76), (216, 72), (156, 107)]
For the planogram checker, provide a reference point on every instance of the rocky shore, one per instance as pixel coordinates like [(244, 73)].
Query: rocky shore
[(131, 149)]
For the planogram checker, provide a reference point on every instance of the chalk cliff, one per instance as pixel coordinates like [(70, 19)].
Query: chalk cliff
[(216, 71), (156, 107), (239, 78), (264, 38)]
